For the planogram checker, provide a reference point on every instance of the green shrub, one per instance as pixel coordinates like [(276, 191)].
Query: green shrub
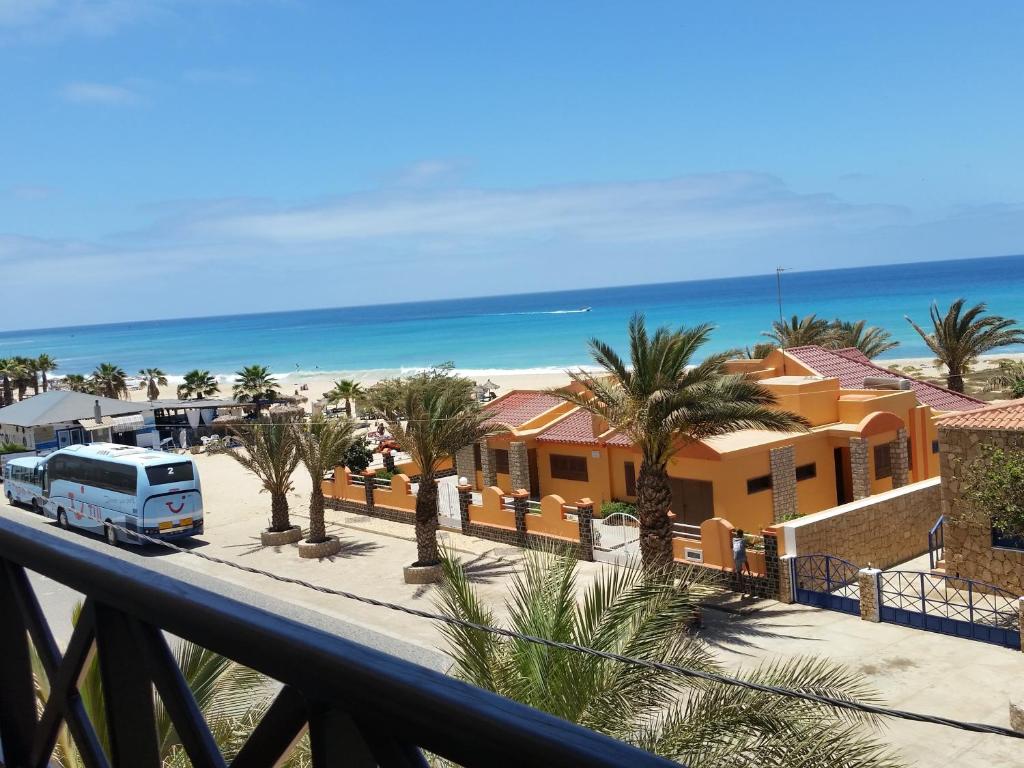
[(358, 456), (992, 490), (383, 474), (610, 508)]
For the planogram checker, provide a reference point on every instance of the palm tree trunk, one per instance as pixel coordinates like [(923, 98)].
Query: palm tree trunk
[(45, 384), (8, 395), (317, 527), (955, 380), (654, 498), (426, 522), (348, 407), (279, 520), (35, 384)]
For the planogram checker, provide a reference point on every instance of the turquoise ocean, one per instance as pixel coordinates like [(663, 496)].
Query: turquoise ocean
[(527, 332)]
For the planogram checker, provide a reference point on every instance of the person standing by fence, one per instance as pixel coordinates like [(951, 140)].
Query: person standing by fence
[(739, 559)]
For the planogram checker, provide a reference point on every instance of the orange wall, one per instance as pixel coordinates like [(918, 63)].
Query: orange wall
[(551, 520), (598, 487), (490, 511)]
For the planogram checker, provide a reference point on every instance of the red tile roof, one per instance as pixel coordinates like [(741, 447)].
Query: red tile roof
[(578, 428), (851, 367), (518, 407), (1003, 416)]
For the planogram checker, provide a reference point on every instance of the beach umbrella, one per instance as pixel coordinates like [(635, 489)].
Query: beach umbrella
[(490, 385)]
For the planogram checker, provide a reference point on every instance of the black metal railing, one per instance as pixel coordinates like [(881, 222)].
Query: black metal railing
[(937, 543), (361, 706)]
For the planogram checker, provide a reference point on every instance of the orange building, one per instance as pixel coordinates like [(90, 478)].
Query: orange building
[(871, 430)]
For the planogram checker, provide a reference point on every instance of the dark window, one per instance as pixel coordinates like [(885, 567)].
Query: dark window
[(501, 461), (935, 446), (758, 484), (883, 461), (630, 478), (477, 461), (121, 478), (999, 539), (569, 467), (807, 471), (165, 474)]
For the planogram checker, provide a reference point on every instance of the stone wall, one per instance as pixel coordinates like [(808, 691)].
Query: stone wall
[(783, 465), (968, 546), (899, 458), (859, 470), (519, 467), (881, 530)]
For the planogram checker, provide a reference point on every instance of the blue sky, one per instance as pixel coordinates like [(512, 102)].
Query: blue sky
[(217, 156)]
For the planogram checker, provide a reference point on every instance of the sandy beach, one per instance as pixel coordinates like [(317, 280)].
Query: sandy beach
[(318, 385)]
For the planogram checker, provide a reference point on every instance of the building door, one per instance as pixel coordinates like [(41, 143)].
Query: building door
[(844, 476), (693, 501)]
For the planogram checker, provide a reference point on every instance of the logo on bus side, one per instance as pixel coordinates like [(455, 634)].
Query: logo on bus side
[(171, 506)]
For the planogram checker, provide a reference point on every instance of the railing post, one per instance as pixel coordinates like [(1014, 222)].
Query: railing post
[(787, 580), (368, 476), (1020, 620), (868, 582), (18, 702), (772, 567), (521, 506), (585, 515), (924, 603), (465, 499)]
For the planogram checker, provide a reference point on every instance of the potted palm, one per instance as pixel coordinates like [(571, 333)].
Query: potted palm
[(321, 445)]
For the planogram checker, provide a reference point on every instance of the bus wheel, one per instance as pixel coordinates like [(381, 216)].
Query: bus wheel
[(10, 498), (62, 519), (111, 534), (37, 507)]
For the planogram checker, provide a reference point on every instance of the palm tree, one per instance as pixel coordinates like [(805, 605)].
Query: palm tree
[(345, 391), (431, 415), (45, 364), (198, 384), (321, 445), (24, 375), (627, 612), (662, 403), (255, 384), (230, 697), (959, 337), (871, 341), (7, 373), (759, 351), (1010, 376), (109, 380), (32, 370), (800, 332), (269, 452), (76, 382), (154, 378)]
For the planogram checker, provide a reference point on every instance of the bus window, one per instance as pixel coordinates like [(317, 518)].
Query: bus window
[(166, 474)]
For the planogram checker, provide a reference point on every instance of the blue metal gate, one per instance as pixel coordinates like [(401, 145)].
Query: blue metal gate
[(950, 605), (826, 582)]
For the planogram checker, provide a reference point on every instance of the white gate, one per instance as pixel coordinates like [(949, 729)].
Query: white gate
[(449, 513), (616, 539)]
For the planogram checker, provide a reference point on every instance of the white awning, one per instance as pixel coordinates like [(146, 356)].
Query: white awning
[(129, 423), (91, 425)]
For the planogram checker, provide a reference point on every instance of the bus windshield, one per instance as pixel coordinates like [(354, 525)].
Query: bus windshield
[(166, 474)]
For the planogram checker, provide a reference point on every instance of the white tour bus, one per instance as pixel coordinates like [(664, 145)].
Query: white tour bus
[(152, 492), (23, 482)]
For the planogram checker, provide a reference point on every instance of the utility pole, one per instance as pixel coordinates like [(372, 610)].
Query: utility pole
[(778, 289)]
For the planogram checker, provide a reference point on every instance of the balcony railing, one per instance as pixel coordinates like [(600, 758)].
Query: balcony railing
[(361, 706)]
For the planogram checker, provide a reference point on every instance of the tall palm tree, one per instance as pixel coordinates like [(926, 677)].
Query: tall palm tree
[(345, 391), (254, 383), (110, 380), (32, 370), (269, 451), (871, 341), (198, 384), (230, 697), (7, 372), (661, 404), (958, 337), (24, 376), (1010, 376), (45, 364), (154, 378), (800, 331), (321, 445), (627, 612), (431, 416), (76, 382)]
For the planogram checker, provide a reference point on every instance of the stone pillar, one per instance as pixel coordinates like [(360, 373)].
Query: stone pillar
[(787, 589), (368, 476), (487, 464), (389, 460), (859, 468), (465, 463), (519, 466), (867, 581), (465, 499), (771, 562), (585, 514), (783, 465), (521, 507), (899, 459)]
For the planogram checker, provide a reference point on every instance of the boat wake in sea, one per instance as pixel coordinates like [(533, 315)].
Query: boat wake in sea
[(547, 312)]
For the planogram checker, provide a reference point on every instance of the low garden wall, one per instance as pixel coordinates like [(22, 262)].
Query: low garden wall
[(881, 530)]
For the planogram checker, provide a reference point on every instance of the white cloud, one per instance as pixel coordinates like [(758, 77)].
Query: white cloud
[(98, 93), (32, 192), (54, 19), (685, 209)]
